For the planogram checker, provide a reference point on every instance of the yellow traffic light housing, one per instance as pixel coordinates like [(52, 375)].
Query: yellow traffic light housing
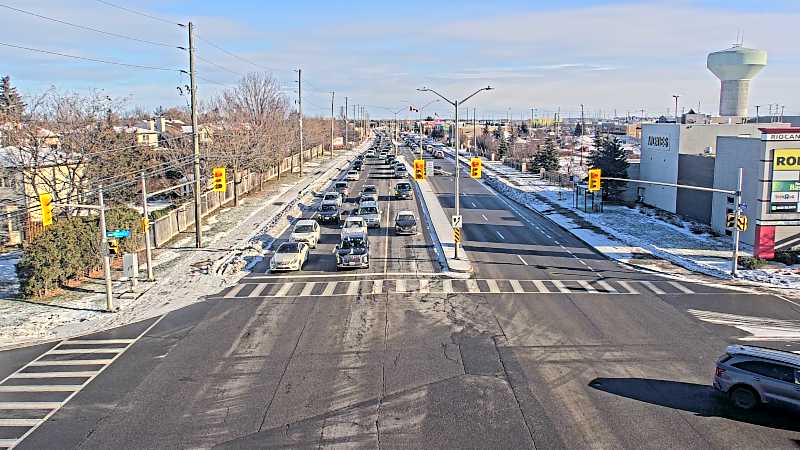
[(419, 169), (46, 202), (594, 180), (113, 247), (219, 184), (475, 167)]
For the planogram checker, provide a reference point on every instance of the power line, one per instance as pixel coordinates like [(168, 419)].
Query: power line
[(48, 52), (133, 11), (231, 54), (121, 36), (219, 66)]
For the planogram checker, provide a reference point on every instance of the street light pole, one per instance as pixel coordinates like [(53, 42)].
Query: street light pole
[(457, 192)]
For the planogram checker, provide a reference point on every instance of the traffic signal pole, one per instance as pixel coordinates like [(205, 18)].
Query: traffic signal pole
[(146, 228), (104, 251), (737, 213), (455, 174)]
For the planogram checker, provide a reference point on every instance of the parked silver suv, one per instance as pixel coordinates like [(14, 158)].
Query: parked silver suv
[(754, 375)]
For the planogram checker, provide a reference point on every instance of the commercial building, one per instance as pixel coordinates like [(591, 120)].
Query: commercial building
[(770, 189)]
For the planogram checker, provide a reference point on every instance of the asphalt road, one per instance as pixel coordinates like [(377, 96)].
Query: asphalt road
[(542, 352)]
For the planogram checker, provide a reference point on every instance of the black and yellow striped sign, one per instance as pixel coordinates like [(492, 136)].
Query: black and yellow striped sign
[(457, 235)]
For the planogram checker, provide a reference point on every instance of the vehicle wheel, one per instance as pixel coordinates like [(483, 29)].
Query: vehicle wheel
[(744, 397)]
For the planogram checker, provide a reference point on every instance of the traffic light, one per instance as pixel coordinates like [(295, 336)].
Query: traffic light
[(730, 222), (113, 247), (219, 184), (419, 169), (475, 167), (594, 180), (46, 202)]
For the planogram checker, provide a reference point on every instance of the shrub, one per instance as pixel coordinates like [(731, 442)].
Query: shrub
[(786, 257), (750, 263)]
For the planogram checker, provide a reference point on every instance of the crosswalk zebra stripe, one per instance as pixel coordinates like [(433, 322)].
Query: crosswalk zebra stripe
[(377, 287), (284, 289), (98, 341), (352, 289), (560, 286), (681, 288), (72, 362), (424, 288), (84, 374), (307, 289), (400, 286), (493, 288), (607, 287), (29, 405), (472, 286), (329, 288), (235, 291), (42, 388), (589, 288), (447, 286), (628, 287), (19, 422), (541, 287), (652, 287), (516, 286)]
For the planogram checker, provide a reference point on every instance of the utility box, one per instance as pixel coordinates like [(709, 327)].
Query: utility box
[(130, 266)]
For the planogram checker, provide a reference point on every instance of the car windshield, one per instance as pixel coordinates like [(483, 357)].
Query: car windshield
[(352, 243), (354, 224), (370, 189), (331, 196), (304, 229), (289, 247), (368, 210), (328, 208), (341, 185), (403, 187), (406, 218)]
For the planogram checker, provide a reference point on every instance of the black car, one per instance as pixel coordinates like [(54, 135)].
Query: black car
[(329, 213), (358, 165), (353, 252), (403, 191)]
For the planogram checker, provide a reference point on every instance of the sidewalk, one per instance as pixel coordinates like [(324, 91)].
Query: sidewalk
[(233, 240), (640, 236)]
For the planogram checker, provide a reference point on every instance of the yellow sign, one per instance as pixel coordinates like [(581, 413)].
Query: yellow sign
[(475, 167), (219, 184), (46, 202), (419, 169), (457, 235), (786, 159), (145, 224)]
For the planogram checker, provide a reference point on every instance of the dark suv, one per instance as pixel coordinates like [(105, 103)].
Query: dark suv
[(329, 213), (403, 191)]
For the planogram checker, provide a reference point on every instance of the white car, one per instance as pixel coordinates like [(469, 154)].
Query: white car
[(332, 197), (307, 231), (289, 256), (352, 175), (365, 197), (371, 214), (370, 154), (354, 225)]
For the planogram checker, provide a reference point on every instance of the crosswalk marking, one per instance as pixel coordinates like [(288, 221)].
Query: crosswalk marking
[(607, 287), (85, 374), (628, 287), (424, 287), (19, 422), (541, 287), (42, 388), (307, 289), (29, 405), (235, 291), (403, 286), (652, 287), (71, 351), (97, 341), (329, 288), (560, 286), (284, 289), (589, 288), (72, 362), (681, 287)]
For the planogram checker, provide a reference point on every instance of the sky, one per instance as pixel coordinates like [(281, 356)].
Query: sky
[(610, 56)]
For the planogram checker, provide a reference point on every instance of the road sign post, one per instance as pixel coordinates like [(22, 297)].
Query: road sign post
[(737, 214)]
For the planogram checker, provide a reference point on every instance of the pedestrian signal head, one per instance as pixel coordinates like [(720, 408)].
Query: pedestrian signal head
[(594, 180), (219, 183), (475, 167), (419, 169)]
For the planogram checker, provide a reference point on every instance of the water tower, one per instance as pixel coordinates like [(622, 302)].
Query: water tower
[(736, 67)]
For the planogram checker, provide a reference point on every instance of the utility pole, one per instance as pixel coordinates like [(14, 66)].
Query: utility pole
[(333, 95), (300, 113), (474, 131), (583, 125), (198, 236), (146, 226), (758, 117), (346, 124), (456, 173), (737, 213), (676, 97), (104, 251)]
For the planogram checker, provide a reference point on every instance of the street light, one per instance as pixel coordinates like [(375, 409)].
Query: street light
[(421, 130), (458, 144)]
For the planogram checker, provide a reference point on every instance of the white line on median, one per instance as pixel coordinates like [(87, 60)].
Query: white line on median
[(523, 261), (501, 236), (484, 217)]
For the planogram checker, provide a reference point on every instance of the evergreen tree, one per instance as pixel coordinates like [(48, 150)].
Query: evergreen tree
[(502, 150), (11, 104), (547, 156), (578, 130), (610, 157), (524, 129), (498, 133)]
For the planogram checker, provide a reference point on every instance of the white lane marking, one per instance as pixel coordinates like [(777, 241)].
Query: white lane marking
[(652, 287), (400, 286), (628, 287), (72, 362), (307, 289), (548, 236), (607, 287), (758, 328), (284, 290), (589, 288), (42, 388), (516, 287), (377, 287), (484, 217), (329, 288), (235, 291), (56, 374), (19, 422), (493, 288), (558, 243), (347, 275), (29, 405), (386, 250), (501, 236), (541, 287), (681, 287), (523, 261), (472, 286), (424, 288), (61, 351), (473, 204), (560, 286), (353, 288), (97, 341), (447, 286)]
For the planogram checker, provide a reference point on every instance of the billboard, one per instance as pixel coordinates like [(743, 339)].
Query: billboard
[(785, 193)]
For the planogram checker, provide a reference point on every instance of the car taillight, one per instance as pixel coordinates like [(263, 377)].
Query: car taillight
[(720, 371)]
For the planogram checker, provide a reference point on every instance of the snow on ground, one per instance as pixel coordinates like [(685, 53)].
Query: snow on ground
[(184, 274)]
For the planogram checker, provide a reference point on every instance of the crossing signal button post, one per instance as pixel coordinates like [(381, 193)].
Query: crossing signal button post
[(475, 167), (419, 169), (219, 183), (594, 180)]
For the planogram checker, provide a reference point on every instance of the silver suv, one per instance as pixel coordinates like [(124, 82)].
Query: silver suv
[(754, 375)]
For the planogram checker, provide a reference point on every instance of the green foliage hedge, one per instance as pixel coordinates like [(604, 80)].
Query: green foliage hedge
[(70, 250)]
